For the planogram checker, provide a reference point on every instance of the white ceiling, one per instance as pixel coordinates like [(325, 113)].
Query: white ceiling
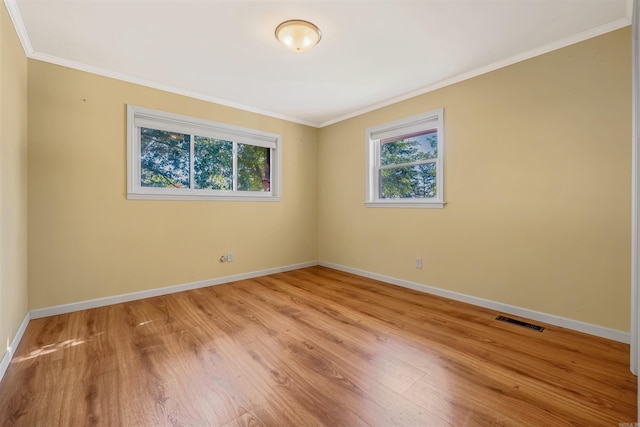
[(372, 53)]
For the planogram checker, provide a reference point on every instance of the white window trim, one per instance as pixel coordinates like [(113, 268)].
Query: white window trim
[(407, 125), (138, 117)]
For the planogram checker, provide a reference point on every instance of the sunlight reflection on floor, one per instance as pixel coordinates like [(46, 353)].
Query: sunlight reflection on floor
[(52, 348)]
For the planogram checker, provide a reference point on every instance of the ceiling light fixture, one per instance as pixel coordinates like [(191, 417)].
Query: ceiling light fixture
[(298, 35)]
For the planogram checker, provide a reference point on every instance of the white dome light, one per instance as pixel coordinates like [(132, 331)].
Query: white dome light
[(298, 35)]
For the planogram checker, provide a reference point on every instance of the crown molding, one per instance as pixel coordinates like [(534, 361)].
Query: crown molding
[(549, 47), (18, 24)]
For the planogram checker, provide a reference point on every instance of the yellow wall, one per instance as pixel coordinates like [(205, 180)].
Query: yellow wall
[(537, 180), (537, 175), (13, 181), (87, 241)]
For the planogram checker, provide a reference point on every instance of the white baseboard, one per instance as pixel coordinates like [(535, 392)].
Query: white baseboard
[(8, 355), (576, 325), (116, 299)]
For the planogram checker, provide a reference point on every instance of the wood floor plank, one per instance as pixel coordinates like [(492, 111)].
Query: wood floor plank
[(440, 364), (393, 372), (320, 370), (536, 365), (311, 347)]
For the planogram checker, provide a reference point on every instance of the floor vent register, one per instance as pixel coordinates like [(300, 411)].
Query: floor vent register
[(520, 323)]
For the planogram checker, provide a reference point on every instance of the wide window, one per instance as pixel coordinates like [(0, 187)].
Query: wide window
[(177, 157), (404, 162)]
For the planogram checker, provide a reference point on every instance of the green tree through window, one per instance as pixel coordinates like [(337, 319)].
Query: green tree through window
[(164, 159), (253, 168), (165, 162), (213, 164), (408, 168), (176, 157)]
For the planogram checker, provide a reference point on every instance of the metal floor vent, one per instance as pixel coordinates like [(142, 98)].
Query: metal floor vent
[(520, 323)]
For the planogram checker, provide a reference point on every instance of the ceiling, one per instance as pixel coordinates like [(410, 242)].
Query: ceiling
[(372, 53)]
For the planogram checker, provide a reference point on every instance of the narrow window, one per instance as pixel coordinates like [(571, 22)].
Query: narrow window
[(404, 162)]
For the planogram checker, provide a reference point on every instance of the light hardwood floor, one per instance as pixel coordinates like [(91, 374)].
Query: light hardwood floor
[(311, 347)]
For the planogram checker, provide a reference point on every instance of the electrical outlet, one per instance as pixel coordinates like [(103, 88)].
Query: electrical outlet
[(418, 262), (230, 257)]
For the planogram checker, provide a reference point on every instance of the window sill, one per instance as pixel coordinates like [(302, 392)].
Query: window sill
[(406, 204), (195, 197)]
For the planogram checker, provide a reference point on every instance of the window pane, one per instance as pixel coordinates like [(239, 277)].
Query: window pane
[(164, 159), (409, 182), (212, 164), (409, 148), (254, 168)]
